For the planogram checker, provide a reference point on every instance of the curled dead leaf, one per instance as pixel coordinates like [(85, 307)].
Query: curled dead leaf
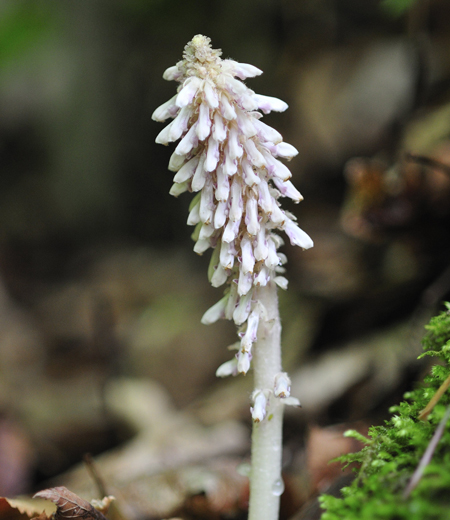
[(70, 506)]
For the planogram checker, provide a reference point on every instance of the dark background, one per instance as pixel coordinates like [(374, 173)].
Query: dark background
[(97, 277)]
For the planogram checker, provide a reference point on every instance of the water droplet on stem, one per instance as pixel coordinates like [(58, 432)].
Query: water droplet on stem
[(278, 487)]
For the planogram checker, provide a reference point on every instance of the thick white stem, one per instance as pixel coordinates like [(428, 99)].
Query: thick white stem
[(265, 476)]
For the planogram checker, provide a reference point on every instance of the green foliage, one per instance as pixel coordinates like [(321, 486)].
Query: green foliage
[(23, 25), (393, 452), (396, 7)]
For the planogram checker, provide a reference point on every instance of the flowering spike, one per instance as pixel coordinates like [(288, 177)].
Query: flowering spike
[(230, 156), (234, 162)]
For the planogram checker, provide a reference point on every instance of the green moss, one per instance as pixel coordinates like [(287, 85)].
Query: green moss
[(392, 452)]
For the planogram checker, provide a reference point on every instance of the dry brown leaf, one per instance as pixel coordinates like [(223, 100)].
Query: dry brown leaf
[(69, 505), (23, 509)]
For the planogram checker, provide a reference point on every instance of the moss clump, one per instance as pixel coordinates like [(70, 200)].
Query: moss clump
[(393, 452)]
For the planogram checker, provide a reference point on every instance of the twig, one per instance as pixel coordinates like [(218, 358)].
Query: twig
[(115, 511), (92, 470), (426, 457), (434, 400)]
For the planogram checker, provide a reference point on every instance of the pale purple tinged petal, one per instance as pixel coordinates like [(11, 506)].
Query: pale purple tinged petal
[(287, 189), (292, 401), (229, 368), (187, 170), (189, 141), (265, 199), (231, 230), (206, 231), (237, 204), (281, 281), (243, 308), (283, 258), (251, 216), (180, 123), (243, 364), (163, 136), (176, 162), (245, 123), (232, 302), (253, 154), (245, 282), (212, 155), (165, 110), (297, 236), (216, 312), (272, 259), (277, 216), (259, 407), (277, 240), (261, 249), (230, 165), (172, 73), (250, 334), (219, 277), (219, 128), (234, 149), (223, 184), (199, 179), (201, 246), (189, 91), (247, 101), (234, 85), (207, 206), (262, 278), (226, 108), (211, 94), (194, 215), (275, 167), (250, 177), (204, 122), (221, 214), (248, 260), (282, 385), (226, 257), (286, 150), (267, 133), (243, 70), (178, 188), (268, 104)]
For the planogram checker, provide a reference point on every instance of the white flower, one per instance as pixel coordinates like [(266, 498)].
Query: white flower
[(230, 157), (282, 385), (228, 368), (259, 409)]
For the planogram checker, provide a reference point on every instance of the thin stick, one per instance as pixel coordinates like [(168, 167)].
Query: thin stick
[(92, 470), (426, 457), (423, 416), (115, 511)]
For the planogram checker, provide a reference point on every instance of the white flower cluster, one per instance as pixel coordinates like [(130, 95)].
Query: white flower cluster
[(230, 158)]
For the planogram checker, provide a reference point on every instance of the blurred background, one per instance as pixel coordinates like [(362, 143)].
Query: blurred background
[(101, 346)]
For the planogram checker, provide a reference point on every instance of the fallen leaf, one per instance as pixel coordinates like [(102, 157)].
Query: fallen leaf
[(23, 509), (69, 505)]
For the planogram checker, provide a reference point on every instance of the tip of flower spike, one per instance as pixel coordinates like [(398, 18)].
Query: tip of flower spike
[(199, 48), (199, 40)]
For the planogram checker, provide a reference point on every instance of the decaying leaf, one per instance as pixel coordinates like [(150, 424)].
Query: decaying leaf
[(24, 509), (71, 506)]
